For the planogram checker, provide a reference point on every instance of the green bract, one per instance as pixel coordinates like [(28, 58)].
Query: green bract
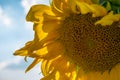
[(111, 5)]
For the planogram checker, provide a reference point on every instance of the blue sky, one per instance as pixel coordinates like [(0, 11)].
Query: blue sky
[(14, 33)]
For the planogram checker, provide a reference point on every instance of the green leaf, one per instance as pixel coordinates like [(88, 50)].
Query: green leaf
[(115, 2)]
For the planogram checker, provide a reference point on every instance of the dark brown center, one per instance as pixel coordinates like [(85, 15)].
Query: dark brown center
[(92, 47)]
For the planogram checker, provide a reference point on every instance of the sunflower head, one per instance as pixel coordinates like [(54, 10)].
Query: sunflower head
[(75, 40)]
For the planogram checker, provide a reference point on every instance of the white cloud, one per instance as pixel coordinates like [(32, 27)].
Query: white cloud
[(8, 74), (29, 26), (4, 18), (15, 60), (28, 3)]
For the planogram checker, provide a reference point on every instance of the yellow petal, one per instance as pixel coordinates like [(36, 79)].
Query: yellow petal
[(29, 49), (51, 37), (98, 10), (36, 13), (74, 3), (81, 74), (86, 1), (36, 61), (42, 51), (45, 67), (94, 76), (58, 4), (95, 9), (108, 19), (24, 51), (54, 50), (48, 52), (50, 76), (57, 11), (61, 76), (62, 61), (115, 73), (73, 75), (39, 33), (84, 7), (21, 52), (60, 7), (73, 6), (51, 25), (105, 76)]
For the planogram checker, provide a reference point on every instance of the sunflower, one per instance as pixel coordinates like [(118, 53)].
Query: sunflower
[(74, 40)]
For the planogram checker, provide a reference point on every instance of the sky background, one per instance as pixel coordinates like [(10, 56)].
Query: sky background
[(14, 33)]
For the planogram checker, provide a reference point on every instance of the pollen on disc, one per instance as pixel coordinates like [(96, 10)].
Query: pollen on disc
[(93, 47)]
